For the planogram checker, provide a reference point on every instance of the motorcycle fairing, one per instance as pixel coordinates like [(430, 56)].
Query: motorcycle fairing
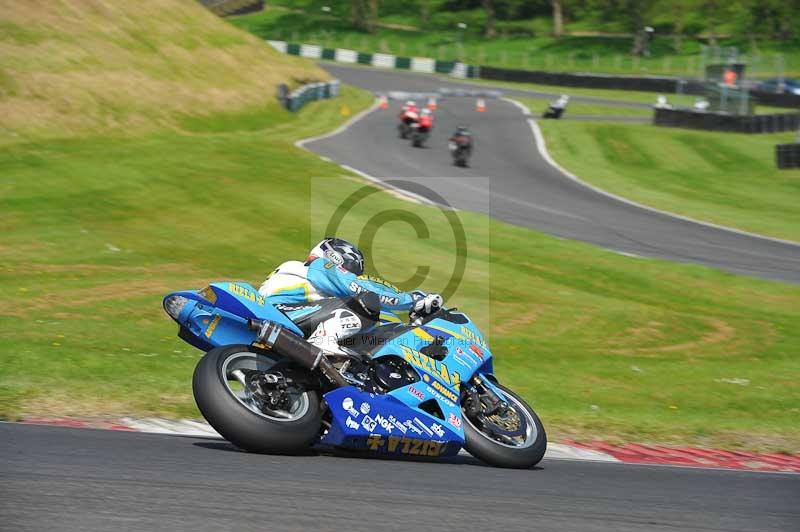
[(383, 424), (206, 324), (243, 299), (440, 380)]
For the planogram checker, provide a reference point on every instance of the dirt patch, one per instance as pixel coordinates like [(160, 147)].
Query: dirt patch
[(720, 332), (518, 321)]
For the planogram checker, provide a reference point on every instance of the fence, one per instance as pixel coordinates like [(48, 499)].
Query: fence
[(388, 61), (772, 123), (296, 99), (664, 85), (594, 81)]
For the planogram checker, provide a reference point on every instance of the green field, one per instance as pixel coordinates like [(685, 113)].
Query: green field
[(531, 49), (98, 227)]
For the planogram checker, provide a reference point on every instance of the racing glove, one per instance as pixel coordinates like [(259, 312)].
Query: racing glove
[(426, 305)]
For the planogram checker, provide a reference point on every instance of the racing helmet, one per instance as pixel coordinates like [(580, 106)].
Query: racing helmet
[(410, 103), (426, 112), (341, 253)]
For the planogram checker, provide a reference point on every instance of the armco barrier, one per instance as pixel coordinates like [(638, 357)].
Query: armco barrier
[(772, 123), (296, 99), (787, 155), (342, 55), (594, 81)]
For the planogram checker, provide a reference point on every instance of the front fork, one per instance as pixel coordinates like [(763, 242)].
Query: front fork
[(491, 399)]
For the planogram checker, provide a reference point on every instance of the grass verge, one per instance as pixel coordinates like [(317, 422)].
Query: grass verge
[(538, 106), (724, 178)]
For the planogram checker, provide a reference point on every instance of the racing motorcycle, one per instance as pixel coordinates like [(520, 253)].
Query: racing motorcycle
[(461, 149), (419, 135), (419, 389), (406, 124)]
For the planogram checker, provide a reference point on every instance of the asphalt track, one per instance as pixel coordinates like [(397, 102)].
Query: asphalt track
[(64, 479), (523, 189)]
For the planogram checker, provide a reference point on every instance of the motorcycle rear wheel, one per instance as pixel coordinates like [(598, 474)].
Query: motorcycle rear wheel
[(237, 414), (526, 454)]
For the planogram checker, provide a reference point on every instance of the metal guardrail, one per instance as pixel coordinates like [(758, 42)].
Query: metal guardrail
[(296, 99)]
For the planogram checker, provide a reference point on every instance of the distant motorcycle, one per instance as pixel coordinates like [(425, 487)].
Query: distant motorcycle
[(557, 108), (406, 125), (419, 135), (461, 149)]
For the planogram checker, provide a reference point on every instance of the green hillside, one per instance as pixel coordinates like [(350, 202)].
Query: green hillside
[(73, 67)]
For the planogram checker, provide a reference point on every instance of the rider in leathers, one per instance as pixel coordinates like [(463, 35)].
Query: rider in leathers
[(330, 293)]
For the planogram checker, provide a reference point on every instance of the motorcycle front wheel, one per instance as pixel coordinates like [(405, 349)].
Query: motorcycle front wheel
[(514, 438), (242, 394)]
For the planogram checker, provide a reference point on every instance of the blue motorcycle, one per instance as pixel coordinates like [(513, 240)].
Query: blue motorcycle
[(424, 388)]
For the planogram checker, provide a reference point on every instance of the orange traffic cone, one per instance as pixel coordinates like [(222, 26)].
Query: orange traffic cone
[(432, 104), (383, 102), (480, 106)]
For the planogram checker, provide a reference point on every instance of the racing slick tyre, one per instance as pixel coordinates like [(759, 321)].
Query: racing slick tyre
[(228, 386), (527, 449)]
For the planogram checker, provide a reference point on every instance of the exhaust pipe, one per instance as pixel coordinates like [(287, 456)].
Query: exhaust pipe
[(291, 346)]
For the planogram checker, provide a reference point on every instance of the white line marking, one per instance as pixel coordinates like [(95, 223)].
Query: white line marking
[(302, 142), (627, 254), (542, 147), (396, 191)]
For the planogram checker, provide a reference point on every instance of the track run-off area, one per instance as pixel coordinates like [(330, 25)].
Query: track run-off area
[(511, 167)]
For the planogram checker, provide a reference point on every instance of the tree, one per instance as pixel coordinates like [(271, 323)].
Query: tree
[(488, 29), (364, 14), (558, 17), (424, 13), (711, 9)]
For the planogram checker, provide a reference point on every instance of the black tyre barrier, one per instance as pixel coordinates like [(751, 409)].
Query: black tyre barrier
[(776, 99), (595, 81), (296, 99), (787, 155), (724, 122)]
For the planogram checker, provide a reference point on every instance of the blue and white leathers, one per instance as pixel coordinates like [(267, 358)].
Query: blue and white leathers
[(294, 282)]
